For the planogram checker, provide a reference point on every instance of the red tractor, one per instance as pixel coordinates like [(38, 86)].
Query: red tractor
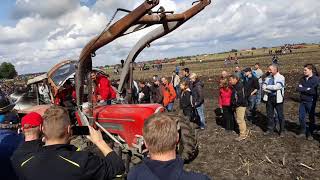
[(123, 123)]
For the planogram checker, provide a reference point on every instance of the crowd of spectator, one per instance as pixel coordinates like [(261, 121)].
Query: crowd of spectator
[(46, 152), (186, 90), (242, 91)]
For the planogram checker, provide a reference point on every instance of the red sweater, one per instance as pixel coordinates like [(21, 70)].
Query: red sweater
[(225, 97), (103, 88)]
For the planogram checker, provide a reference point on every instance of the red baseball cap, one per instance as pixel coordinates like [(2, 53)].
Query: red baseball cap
[(31, 120)]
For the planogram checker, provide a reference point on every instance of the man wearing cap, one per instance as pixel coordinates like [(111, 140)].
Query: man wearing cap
[(31, 126), (251, 87), (9, 138), (60, 160)]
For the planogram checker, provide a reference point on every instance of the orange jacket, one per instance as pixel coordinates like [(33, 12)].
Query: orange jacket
[(169, 94)]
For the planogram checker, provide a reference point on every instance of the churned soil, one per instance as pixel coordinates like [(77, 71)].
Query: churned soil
[(259, 156)]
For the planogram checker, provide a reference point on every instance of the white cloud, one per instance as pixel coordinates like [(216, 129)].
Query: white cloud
[(27, 29)]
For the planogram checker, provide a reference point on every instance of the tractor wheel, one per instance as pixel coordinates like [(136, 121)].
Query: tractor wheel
[(187, 147)]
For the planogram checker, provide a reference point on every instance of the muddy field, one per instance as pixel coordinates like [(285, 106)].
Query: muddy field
[(258, 157)]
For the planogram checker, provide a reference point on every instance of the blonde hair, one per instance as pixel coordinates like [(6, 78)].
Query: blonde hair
[(55, 122), (160, 133), (193, 76)]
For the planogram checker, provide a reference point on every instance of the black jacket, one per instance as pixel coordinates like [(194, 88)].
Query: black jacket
[(238, 98), (308, 88), (185, 103), (156, 94), (63, 161), (250, 84), (159, 170), (197, 93), (146, 91)]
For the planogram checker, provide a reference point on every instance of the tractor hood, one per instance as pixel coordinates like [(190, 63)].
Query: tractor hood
[(126, 112), (125, 120)]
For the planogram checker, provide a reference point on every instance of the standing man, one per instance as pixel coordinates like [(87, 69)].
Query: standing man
[(169, 94), (156, 91), (145, 90), (31, 127), (44, 92), (103, 90), (198, 98), (251, 86), (175, 80), (239, 103), (258, 73), (273, 87), (308, 89)]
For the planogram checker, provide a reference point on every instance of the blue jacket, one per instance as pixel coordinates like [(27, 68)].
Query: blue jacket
[(9, 141), (157, 170), (308, 88)]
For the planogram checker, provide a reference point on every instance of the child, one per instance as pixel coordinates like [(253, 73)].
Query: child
[(225, 93), (186, 100)]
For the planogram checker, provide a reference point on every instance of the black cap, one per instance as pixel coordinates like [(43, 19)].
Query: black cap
[(247, 69)]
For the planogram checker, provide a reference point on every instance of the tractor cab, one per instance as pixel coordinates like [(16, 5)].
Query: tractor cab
[(54, 87)]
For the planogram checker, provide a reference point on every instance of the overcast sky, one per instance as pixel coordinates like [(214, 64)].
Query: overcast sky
[(36, 34)]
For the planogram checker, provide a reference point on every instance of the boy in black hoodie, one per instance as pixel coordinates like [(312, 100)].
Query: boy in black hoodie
[(161, 137), (186, 100)]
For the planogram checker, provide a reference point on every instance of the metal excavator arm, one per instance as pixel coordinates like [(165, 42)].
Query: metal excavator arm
[(114, 31), (169, 24)]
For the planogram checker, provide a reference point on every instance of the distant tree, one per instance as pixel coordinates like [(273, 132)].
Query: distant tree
[(253, 48), (264, 47), (7, 71), (234, 50)]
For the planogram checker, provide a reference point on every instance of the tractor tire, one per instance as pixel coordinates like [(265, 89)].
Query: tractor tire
[(188, 146)]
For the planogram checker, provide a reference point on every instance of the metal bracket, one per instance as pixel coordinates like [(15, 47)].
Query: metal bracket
[(110, 135)]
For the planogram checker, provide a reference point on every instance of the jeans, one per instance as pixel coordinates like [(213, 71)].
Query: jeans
[(240, 113), (200, 111), (169, 107), (306, 108), (177, 89), (252, 105), (259, 94), (271, 106)]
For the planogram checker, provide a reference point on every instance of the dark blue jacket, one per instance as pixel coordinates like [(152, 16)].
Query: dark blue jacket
[(308, 88), (158, 170), (9, 141)]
